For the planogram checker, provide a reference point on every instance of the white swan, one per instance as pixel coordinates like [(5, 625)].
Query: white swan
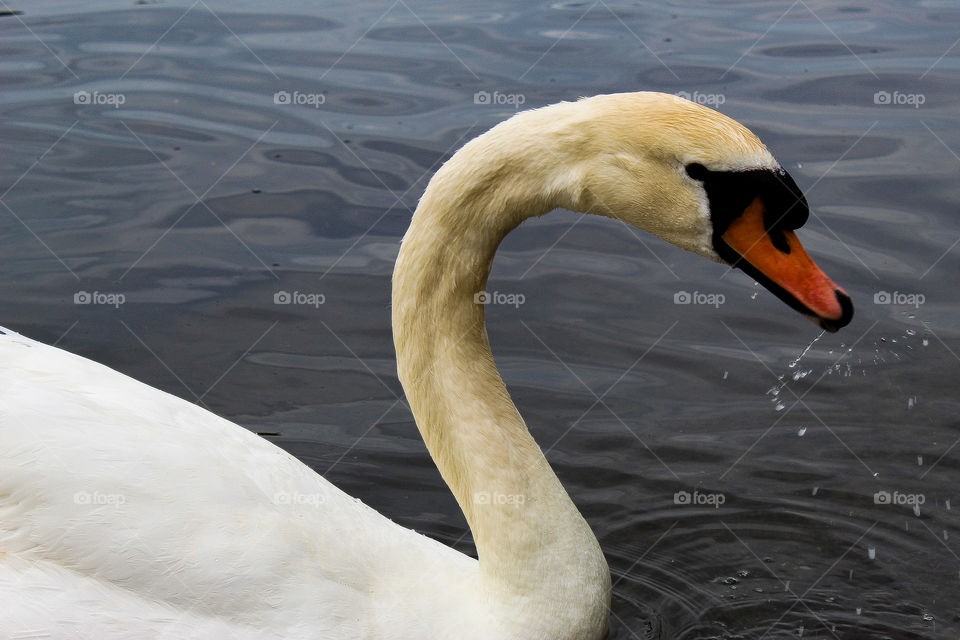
[(129, 513)]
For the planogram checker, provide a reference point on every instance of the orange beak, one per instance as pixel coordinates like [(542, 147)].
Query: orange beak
[(780, 263)]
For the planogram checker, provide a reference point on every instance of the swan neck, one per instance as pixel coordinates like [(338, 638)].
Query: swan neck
[(524, 524)]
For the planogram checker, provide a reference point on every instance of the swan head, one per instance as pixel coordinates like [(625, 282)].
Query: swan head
[(707, 184)]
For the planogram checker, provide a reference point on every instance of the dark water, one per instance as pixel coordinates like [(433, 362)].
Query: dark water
[(199, 198)]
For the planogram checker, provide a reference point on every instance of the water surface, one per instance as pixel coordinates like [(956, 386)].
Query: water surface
[(181, 182)]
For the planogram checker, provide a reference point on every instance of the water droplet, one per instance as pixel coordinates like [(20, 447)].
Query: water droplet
[(920, 460), (872, 553), (780, 406), (802, 431), (911, 402), (859, 610), (927, 617), (806, 349), (753, 296), (916, 510), (925, 342), (946, 535), (947, 503), (725, 374), (911, 332), (815, 490)]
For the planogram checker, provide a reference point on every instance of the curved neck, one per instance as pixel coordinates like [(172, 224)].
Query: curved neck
[(532, 542)]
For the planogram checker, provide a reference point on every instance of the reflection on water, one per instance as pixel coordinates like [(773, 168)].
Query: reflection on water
[(202, 161)]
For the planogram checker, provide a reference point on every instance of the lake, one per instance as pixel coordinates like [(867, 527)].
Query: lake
[(209, 197)]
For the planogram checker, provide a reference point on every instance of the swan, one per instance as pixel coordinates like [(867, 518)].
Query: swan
[(126, 512)]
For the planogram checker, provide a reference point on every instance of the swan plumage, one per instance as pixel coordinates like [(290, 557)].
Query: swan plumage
[(279, 512), (126, 512)]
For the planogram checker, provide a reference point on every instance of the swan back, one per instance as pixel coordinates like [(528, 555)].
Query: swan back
[(120, 498)]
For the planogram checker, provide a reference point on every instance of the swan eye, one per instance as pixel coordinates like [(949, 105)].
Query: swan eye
[(697, 171)]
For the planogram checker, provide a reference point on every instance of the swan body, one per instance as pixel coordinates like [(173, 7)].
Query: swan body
[(126, 512)]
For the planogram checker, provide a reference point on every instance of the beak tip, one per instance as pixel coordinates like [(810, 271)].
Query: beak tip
[(846, 313)]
